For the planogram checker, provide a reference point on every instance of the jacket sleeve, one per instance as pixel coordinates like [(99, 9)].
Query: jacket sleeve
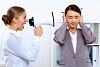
[(60, 34), (16, 47), (87, 33)]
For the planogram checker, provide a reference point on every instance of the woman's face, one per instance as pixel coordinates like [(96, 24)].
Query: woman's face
[(72, 18), (21, 21)]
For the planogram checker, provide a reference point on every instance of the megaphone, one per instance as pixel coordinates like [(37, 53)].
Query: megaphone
[(48, 20)]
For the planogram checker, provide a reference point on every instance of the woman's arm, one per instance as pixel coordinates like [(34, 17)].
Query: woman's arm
[(87, 33), (60, 34), (16, 47)]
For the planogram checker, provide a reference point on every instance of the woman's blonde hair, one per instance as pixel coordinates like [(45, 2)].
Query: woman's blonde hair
[(12, 12)]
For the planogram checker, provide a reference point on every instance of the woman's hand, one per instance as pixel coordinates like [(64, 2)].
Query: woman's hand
[(81, 19), (63, 17), (38, 31)]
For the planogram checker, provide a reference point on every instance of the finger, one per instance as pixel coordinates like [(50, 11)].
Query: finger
[(81, 20), (34, 26), (40, 27), (64, 18)]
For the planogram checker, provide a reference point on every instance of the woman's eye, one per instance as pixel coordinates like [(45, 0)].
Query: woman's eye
[(76, 17), (70, 17), (25, 17)]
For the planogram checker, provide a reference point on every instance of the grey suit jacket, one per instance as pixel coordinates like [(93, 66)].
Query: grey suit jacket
[(68, 57)]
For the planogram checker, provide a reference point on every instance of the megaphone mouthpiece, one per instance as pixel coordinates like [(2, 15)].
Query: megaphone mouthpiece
[(31, 21)]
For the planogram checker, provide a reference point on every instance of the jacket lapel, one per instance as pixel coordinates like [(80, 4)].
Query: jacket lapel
[(68, 41), (79, 39)]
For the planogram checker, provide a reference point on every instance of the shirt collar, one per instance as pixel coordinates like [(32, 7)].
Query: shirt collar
[(14, 32), (73, 35)]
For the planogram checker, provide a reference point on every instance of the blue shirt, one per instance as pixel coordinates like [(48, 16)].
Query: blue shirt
[(16, 54)]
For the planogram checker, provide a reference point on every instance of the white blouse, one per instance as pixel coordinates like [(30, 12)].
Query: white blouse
[(74, 40), (16, 54)]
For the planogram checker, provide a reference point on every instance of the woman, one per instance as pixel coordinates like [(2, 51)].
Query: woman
[(73, 40), (16, 55)]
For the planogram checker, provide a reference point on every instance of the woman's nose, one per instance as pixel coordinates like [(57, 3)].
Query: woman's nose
[(26, 20), (73, 20)]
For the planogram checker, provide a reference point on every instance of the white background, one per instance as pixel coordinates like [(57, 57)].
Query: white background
[(90, 11)]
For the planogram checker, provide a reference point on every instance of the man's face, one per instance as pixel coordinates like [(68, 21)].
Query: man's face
[(72, 18)]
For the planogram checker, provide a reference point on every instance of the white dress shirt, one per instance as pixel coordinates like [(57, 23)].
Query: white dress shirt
[(16, 55), (74, 40)]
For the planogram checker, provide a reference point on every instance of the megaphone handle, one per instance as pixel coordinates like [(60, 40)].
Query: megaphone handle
[(53, 19)]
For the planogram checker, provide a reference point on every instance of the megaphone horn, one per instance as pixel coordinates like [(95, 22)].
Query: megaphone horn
[(42, 21)]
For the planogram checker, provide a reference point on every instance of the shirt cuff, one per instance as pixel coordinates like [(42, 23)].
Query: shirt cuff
[(37, 39)]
